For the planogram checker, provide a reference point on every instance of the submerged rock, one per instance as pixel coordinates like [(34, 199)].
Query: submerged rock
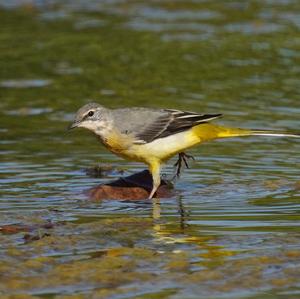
[(100, 171), (134, 187)]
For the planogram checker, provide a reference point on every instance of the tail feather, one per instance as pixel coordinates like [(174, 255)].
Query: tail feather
[(232, 132), (274, 133), (208, 131)]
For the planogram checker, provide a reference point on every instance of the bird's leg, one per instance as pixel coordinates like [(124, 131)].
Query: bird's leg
[(185, 157), (154, 168), (154, 189), (178, 166), (182, 157)]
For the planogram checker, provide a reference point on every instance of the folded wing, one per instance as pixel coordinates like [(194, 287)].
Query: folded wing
[(171, 122)]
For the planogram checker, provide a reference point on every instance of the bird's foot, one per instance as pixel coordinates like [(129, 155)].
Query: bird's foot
[(153, 191), (182, 157)]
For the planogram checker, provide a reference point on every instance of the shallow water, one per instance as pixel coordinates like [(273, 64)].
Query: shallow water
[(231, 231)]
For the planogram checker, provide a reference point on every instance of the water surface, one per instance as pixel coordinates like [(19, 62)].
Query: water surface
[(231, 231)]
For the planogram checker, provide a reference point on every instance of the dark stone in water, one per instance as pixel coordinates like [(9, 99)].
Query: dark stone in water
[(100, 171), (134, 187), (30, 238), (16, 228)]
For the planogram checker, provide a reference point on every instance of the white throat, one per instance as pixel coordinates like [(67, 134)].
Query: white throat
[(100, 128)]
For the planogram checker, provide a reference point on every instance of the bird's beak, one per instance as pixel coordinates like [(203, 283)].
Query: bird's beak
[(73, 125)]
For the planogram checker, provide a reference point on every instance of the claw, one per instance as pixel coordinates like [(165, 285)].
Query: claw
[(182, 157), (185, 162)]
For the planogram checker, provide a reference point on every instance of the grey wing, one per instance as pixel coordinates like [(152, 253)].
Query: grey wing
[(149, 124), (141, 123)]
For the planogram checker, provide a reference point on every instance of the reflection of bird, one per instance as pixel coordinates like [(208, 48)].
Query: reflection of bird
[(153, 136)]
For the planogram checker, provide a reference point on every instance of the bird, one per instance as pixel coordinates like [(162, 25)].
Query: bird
[(153, 136)]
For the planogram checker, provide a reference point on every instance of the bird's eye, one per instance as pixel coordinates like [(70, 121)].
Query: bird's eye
[(91, 113)]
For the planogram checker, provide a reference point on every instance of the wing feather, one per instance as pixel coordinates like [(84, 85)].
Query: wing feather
[(171, 122)]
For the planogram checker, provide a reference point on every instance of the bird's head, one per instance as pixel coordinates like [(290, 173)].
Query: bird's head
[(91, 116)]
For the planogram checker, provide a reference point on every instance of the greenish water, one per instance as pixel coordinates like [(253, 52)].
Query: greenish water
[(231, 231)]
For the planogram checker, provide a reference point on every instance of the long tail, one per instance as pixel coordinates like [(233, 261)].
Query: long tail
[(211, 131), (230, 132)]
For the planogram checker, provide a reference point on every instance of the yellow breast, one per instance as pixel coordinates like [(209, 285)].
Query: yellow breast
[(123, 146)]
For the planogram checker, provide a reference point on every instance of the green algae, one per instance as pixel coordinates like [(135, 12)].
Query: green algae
[(58, 263)]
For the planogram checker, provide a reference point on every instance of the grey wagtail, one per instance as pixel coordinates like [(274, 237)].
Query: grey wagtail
[(153, 136)]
